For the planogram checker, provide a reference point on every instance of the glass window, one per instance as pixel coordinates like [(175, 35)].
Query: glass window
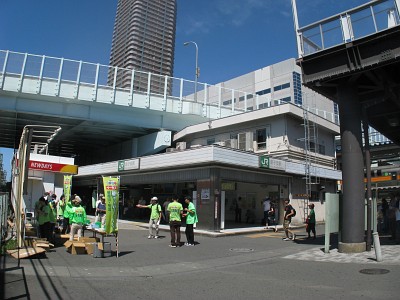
[(263, 92), (227, 102), (210, 141), (277, 88), (261, 138)]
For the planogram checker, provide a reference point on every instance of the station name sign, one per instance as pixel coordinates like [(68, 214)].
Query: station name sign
[(267, 162), (125, 165)]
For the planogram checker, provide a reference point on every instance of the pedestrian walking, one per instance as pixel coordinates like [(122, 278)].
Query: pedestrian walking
[(155, 216), (311, 222), (266, 207), (175, 212), (191, 219), (289, 212)]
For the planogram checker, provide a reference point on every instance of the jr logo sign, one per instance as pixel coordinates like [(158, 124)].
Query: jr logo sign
[(264, 162)]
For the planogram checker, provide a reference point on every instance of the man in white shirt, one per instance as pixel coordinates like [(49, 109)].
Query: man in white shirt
[(266, 206)]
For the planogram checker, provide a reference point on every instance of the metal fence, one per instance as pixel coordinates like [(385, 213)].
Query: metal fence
[(367, 19)]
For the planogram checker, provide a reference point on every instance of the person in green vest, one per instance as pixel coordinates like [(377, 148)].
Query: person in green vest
[(66, 228), (175, 212), (191, 219), (43, 215), (155, 216), (77, 218)]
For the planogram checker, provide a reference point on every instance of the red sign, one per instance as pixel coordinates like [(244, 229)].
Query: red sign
[(53, 167)]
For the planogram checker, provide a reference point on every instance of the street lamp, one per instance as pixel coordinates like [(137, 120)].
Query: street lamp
[(197, 68)]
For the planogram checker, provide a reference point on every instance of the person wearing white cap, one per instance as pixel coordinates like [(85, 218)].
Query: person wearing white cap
[(155, 216), (77, 218)]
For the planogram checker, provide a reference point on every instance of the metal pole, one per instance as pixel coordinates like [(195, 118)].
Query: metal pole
[(296, 28), (197, 67), (368, 171)]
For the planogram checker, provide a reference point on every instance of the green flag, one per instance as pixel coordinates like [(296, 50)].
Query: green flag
[(67, 187), (111, 193)]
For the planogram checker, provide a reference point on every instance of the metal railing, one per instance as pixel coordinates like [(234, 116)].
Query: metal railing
[(367, 19), (83, 81)]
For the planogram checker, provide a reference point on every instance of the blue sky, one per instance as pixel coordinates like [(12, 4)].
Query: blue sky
[(234, 37)]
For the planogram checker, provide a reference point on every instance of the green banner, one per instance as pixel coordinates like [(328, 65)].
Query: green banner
[(111, 193), (67, 187)]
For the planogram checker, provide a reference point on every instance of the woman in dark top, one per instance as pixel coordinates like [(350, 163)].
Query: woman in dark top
[(311, 221)]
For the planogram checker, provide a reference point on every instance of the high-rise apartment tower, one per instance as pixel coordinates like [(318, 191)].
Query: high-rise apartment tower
[(144, 40)]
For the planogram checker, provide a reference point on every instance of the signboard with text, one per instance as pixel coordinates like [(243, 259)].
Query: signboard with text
[(267, 162), (125, 165), (53, 167)]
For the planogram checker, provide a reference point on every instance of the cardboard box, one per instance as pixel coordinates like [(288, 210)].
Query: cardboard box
[(89, 239), (90, 248), (75, 247), (30, 231)]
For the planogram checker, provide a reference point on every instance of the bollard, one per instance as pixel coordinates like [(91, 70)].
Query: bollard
[(377, 246)]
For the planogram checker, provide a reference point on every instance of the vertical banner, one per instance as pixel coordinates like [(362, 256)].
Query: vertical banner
[(111, 193), (67, 187)]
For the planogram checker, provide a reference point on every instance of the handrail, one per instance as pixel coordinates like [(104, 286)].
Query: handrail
[(346, 27), (78, 80)]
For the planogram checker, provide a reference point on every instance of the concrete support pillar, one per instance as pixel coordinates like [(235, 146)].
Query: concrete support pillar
[(215, 192), (352, 235)]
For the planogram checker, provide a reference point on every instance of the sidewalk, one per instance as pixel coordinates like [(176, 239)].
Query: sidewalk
[(221, 233)]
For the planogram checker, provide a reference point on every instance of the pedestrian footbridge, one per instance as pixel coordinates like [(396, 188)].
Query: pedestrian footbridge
[(98, 105)]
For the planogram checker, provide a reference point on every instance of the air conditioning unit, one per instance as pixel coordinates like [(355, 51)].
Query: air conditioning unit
[(245, 141), (232, 143), (181, 145)]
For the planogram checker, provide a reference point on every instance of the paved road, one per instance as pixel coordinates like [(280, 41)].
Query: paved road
[(251, 266)]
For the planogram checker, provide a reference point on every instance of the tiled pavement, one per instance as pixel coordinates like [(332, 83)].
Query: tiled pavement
[(390, 256)]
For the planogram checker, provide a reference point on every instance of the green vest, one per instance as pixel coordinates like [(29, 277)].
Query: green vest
[(53, 213), (67, 210), (78, 215), (175, 210), (60, 208), (44, 215)]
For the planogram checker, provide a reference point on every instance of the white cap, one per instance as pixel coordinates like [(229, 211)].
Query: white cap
[(154, 199), (77, 199)]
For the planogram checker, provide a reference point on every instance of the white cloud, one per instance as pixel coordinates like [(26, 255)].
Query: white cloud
[(239, 11), (197, 26)]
